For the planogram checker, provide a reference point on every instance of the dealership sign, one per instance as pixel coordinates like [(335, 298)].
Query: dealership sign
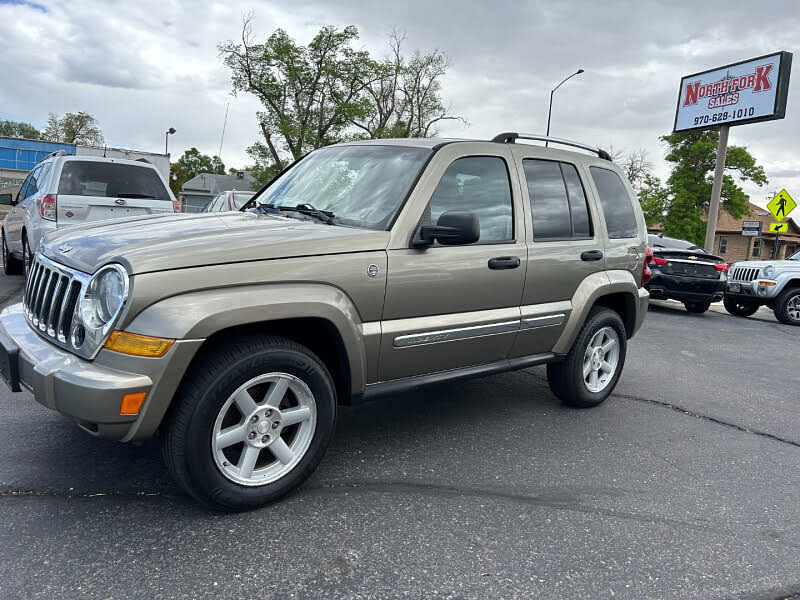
[(744, 92)]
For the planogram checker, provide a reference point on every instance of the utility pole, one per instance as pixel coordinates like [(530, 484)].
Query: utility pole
[(716, 189)]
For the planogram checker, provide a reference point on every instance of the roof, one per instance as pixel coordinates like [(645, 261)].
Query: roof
[(213, 183)]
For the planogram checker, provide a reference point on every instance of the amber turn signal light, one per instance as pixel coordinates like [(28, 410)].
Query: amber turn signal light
[(131, 403), (138, 345)]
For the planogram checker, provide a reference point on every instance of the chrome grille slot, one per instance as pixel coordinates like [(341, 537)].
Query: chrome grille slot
[(51, 298), (67, 311)]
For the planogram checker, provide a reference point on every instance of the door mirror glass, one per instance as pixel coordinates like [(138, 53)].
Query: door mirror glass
[(453, 228), (5, 199)]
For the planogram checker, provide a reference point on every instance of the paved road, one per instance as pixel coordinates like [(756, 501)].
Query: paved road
[(682, 485)]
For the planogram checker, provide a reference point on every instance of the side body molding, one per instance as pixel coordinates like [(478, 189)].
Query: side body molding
[(200, 314), (593, 287)]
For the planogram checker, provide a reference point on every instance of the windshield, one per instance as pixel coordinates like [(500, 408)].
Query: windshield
[(362, 186), (239, 198)]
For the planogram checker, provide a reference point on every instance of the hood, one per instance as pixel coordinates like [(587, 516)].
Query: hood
[(158, 243), (760, 264)]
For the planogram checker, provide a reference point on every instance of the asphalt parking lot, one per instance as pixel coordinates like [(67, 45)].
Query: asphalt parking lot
[(684, 484)]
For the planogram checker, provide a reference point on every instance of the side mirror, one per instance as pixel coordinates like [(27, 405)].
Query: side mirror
[(454, 228), (6, 199)]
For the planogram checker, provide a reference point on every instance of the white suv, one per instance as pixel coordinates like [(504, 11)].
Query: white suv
[(67, 190)]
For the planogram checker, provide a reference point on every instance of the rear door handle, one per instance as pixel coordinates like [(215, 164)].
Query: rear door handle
[(504, 262), (590, 255)]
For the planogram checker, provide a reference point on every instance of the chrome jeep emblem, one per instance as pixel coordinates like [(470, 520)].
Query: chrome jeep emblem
[(65, 248)]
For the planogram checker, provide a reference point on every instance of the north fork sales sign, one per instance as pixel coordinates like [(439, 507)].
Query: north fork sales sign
[(744, 92)]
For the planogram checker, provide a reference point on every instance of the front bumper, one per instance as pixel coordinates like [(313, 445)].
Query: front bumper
[(90, 392), (759, 290), (685, 288)]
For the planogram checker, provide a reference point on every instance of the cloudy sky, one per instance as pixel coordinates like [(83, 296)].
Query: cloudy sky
[(141, 67)]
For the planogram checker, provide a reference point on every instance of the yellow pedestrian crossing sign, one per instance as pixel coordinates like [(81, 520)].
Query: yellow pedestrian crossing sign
[(779, 227), (781, 205)]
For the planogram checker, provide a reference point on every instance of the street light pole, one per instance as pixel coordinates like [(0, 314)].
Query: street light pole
[(169, 132), (550, 110)]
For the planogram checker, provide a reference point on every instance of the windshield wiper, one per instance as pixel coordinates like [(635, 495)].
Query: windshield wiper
[(325, 216)]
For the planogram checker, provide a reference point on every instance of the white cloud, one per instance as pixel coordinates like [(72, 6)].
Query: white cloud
[(144, 66)]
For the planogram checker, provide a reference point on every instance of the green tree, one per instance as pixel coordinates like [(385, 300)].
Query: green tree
[(73, 128), (693, 157), (19, 129), (404, 97), (328, 92), (190, 164)]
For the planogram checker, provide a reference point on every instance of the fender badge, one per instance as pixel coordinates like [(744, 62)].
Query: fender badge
[(372, 270), (65, 248)]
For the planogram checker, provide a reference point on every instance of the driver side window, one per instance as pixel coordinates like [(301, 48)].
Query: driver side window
[(479, 184)]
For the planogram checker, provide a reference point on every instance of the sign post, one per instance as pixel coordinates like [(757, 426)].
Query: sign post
[(745, 92)]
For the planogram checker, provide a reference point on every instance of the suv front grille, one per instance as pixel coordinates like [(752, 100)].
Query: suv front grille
[(744, 274), (51, 295)]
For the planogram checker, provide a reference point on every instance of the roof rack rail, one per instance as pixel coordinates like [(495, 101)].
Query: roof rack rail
[(56, 153), (509, 137)]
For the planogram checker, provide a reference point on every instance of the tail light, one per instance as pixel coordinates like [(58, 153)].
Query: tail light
[(648, 258), (722, 267), (176, 206), (657, 260), (47, 207)]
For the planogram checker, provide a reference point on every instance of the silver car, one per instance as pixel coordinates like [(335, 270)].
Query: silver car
[(64, 190)]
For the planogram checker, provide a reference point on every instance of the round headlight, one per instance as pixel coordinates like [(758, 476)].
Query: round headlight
[(104, 296), (769, 271)]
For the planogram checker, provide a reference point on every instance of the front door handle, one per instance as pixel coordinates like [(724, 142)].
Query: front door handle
[(590, 255), (504, 262)]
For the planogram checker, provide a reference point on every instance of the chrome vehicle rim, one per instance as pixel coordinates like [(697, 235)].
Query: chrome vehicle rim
[(601, 359), (264, 429), (793, 307)]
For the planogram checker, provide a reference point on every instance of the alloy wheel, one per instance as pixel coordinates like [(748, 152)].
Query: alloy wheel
[(793, 307), (600, 360), (264, 429)]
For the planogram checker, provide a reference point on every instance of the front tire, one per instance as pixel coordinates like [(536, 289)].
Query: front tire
[(250, 423), (27, 257), (787, 307), (11, 265), (739, 308), (594, 364), (697, 308)]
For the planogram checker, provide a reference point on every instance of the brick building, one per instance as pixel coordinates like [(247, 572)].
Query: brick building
[(730, 244)]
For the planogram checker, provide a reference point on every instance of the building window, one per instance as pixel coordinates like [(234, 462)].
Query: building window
[(757, 248), (723, 245)]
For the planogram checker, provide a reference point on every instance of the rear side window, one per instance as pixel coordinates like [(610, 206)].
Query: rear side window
[(617, 207), (479, 184), (558, 202), (112, 180)]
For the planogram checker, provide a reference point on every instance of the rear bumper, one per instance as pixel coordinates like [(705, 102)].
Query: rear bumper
[(90, 392), (685, 289)]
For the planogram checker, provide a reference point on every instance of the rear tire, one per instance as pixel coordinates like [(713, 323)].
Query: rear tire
[(235, 439), (11, 265), (697, 307), (787, 307), (601, 342), (739, 308)]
